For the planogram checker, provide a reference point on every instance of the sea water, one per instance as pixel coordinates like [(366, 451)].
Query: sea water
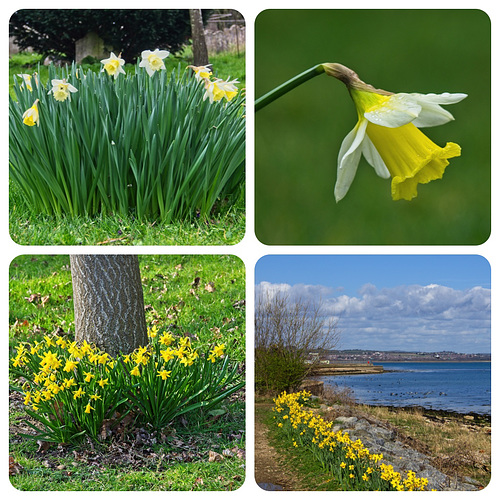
[(460, 387)]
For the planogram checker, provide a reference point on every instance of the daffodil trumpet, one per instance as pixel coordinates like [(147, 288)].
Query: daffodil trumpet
[(387, 133)]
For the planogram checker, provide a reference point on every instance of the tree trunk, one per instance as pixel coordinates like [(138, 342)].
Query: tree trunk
[(200, 52), (108, 302)]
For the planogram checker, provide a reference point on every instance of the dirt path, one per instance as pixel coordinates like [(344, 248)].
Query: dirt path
[(271, 471)]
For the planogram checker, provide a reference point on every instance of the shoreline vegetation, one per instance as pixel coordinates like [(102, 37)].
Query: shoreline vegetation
[(458, 445)]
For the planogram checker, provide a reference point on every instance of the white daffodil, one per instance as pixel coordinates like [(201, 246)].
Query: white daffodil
[(153, 61), (30, 116), (201, 72), (27, 80), (387, 135), (218, 89), (61, 90), (113, 65)]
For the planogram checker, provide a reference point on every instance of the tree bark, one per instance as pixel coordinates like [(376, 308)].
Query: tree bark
[(200, 52), (108, 302)]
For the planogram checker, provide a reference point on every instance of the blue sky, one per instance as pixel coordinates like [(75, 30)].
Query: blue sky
[(414, 302)]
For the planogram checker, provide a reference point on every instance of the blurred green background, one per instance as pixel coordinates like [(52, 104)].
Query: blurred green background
[(298, 137)]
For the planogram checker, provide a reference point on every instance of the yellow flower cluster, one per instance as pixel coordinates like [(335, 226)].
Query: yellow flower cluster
[(71, 387), (352, 463), (54, 366)]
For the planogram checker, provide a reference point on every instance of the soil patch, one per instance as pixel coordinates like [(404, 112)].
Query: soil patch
[(271, 470)]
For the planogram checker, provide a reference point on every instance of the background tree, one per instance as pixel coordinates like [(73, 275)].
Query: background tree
[(200, 52), (286, 330), (129, 31), (108, 302)]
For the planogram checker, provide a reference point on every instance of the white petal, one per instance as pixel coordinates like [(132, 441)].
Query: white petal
[(161, 53), (349, 156), (432, 113), (397, 111), (445, 98), (374, 159)]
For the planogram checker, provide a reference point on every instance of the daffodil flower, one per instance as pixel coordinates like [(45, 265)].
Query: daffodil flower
[(164, 374), (27, 80), (62, 90), (387, 135), (153, 61), (218, 89), (201, 72), (113, 65)]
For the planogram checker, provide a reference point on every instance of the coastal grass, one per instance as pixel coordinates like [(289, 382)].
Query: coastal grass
[(459, 446)]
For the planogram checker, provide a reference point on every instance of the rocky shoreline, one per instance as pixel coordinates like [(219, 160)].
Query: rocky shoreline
[(346, 369), (379, 437)]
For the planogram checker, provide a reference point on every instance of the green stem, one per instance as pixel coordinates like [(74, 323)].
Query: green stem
[(289, 85)]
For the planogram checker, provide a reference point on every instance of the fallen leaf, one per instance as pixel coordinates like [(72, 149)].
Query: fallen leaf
[(213, 456), (210, 287), (14, 467)]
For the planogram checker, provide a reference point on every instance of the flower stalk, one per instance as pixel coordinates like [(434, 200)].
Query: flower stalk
[(284, 88)]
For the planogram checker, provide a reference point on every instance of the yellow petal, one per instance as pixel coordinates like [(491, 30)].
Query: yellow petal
[(410, 156)]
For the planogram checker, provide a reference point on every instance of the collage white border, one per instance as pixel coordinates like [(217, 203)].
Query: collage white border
[(250, 250)]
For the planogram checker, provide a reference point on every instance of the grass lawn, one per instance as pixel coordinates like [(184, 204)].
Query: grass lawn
[(224, 226), (193, 454)]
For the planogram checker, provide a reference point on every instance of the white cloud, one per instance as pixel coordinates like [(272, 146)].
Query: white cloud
[(414, 317)]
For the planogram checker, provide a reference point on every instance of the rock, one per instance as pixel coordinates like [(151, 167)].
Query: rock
[(379, 439)]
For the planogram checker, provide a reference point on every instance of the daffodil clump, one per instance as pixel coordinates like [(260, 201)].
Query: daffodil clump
[(349, 461), (155, 144), (70, 388)]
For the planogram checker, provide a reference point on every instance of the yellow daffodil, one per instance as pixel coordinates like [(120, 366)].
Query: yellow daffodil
[(153, 61), (103, 358), (88, 408), (78, 393), (61, 342), (70, 365), (167, 354), (62, 90), (166, 339), (88, 376), (50, 361), (113, 65), (153, 332), (135, 371), (164, 374), (69, 382), (27, 398), (216, 352), (103, 382), (388, 136)]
